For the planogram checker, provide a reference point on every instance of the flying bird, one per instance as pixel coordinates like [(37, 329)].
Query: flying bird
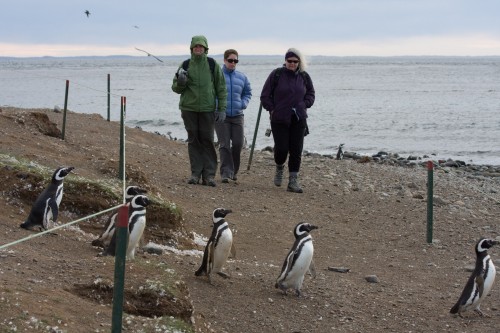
[(136, 26), (87, 13), (149, 54)]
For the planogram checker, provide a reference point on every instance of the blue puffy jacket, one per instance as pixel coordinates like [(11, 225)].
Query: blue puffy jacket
[(239, 92)]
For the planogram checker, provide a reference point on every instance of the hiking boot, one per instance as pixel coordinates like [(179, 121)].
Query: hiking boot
[(209, 182), (235, 178), (293, 185), (193, 180), (278, 177), (225, 180)]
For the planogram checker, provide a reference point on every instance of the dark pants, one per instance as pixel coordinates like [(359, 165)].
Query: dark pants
[(289, 140), (201, 149), (231, 137)]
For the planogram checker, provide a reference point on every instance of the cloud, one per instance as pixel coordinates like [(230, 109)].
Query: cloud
[(469, 45)]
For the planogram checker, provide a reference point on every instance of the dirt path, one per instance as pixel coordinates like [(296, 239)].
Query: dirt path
[(371, 218)]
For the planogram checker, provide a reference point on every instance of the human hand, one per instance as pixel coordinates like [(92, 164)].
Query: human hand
[(181, 77), (220, 116)]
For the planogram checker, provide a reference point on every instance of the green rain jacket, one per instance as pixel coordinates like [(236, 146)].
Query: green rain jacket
[(203, 92)]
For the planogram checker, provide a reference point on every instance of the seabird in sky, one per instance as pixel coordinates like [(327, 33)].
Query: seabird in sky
[(87, 13), (149, 54)]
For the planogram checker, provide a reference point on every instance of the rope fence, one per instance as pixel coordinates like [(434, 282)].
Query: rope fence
[(121, 224), (57, 228)]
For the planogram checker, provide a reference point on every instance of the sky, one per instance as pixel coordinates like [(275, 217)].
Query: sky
[(32, 28)]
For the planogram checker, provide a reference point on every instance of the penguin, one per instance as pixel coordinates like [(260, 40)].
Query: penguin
[(340, 152), (218, 246), (480, 282), (109, 228), (298, 261), (45, 210), (136, 226)]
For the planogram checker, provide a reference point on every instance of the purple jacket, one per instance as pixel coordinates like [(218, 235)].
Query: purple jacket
[(294, 90)]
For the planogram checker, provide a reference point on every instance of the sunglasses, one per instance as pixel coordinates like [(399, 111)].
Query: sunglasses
[(232, 61), (292, 61)]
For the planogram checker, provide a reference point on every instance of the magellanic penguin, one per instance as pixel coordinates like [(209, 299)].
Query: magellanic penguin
[(480, 282), (218, 246), (136, 226), (45, 210), (109, 228), (298, 261), (340, 152)]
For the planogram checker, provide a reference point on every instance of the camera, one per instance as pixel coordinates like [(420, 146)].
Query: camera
[(268, 132)]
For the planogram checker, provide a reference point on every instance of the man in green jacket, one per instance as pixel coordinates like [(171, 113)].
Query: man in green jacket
[(202, 103)]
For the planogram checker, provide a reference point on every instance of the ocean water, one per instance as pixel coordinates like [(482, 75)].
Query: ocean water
[(445, 107)]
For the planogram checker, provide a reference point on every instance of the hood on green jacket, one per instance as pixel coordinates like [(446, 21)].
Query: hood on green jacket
[(199, 40)]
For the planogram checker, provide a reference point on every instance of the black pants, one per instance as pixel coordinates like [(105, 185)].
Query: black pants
[(289, 140)]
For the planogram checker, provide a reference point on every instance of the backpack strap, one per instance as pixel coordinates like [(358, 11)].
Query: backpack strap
[(274, 81), (211, 64)]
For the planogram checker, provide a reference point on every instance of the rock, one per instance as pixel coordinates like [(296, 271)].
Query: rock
[(372, 279), (339, 269)]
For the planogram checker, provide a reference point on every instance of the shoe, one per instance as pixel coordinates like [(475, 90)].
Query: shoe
[(293, 185), (278, 177), (193, 180), (209, 182), (234, 177), (225, 180)]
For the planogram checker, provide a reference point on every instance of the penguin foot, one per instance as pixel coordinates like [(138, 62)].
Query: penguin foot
[(282, 288), (480, 313), (97, 242), (298, 293)]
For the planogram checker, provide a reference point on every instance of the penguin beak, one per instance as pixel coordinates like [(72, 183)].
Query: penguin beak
[(227, 211), (312, 227)]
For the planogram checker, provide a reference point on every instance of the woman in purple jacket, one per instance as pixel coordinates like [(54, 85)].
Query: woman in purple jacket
[(230, 133), (287, 94)]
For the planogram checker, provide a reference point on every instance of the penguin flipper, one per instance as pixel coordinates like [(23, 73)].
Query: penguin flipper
[(312, 269), (111, 249), (204, 262), (480, 285), (55, 210), (455, 309)]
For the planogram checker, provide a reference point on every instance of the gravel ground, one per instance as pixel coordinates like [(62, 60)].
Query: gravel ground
[(371, 219)]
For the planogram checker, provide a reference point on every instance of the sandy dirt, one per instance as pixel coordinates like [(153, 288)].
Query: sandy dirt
[(371, 219)]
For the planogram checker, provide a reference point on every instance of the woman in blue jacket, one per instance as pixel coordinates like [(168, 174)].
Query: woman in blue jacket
[(230, 132), (287, 94)]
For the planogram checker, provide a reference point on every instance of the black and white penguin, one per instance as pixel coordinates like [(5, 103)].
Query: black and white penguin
[(45, 210), (340, 152), (109, 228), (480, 282), (136, 226), (218, 246), (298, 261)]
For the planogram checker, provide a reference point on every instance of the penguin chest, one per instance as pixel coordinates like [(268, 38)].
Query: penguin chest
[(59, 195), (47, 215), (221, 250), (300, 265), (489, 276), (137, 227)]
